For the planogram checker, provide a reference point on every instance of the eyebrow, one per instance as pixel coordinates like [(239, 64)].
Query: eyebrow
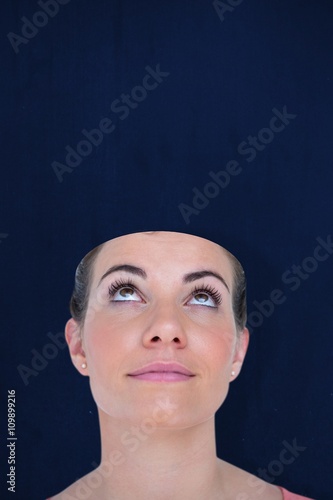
[(188, 278), (125, 267)]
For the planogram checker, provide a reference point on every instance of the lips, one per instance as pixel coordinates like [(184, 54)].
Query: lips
[(162, 372)]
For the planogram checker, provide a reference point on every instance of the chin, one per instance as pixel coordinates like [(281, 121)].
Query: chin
[(161, 410), (159, 405)]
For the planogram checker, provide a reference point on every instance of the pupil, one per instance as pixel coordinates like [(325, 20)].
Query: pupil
[(126, 291)]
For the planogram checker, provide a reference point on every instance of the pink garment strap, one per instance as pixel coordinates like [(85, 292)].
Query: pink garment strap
[(287, 495)]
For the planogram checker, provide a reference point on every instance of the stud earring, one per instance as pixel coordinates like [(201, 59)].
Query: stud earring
[(83, 365), (232, 373)]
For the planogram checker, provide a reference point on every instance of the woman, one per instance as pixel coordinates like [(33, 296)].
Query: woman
[(158, 326)]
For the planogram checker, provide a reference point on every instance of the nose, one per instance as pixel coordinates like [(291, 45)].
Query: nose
[(165, 328)]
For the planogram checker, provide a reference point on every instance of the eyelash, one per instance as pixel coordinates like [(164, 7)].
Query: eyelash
[(209, 290), (117, 285)]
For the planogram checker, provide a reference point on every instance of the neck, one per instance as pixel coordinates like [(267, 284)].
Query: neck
[(146, 462)]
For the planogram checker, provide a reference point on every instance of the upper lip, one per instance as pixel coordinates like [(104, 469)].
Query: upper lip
[(160, 367)]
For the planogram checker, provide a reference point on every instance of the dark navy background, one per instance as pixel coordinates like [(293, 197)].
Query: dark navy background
[(225, 70)]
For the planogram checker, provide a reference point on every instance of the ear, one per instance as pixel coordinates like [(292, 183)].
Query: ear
[(74, 341), (240, 351)]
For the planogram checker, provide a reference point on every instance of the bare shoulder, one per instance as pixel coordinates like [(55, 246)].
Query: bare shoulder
[(246, 486), (241, 485)]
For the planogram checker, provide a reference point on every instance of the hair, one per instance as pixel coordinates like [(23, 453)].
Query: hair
[(239, 292), (83, 276)]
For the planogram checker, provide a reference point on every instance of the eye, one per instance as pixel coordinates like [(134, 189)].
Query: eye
[(123, 292), (206, 296)]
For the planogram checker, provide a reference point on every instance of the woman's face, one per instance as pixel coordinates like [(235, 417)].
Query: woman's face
[(160, 298)]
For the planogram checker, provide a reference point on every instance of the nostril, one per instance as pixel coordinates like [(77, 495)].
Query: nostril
[(159, 339)]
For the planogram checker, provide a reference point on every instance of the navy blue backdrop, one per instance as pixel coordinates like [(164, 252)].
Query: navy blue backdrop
[(213, 118)]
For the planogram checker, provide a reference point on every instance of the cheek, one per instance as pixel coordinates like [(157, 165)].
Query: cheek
[(216, 350), (105, 349), (217, 344), (104, 344), (214, 356), (110, 341)]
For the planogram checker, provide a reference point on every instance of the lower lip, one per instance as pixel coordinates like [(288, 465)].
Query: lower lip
[(162, 376)]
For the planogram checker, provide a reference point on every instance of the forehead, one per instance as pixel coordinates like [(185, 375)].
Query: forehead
[(164, 253)]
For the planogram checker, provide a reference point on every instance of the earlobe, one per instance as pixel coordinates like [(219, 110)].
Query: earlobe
[(74, 341)]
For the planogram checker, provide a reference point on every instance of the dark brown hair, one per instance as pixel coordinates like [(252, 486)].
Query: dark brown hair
[(83, 276), (239, 292)]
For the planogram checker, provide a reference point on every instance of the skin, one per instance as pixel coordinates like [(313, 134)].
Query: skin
[(158, 438)]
